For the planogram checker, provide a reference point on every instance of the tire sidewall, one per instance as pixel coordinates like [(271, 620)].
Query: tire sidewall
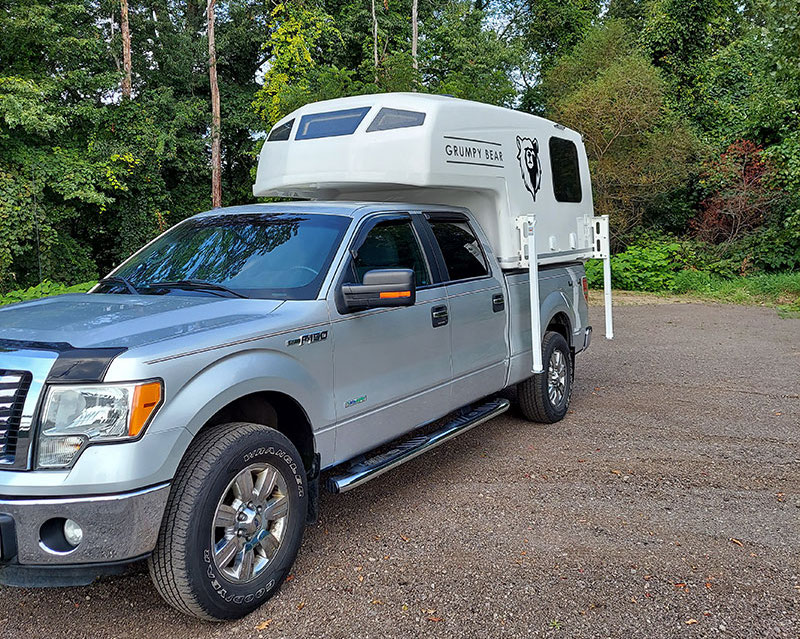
[(556, 341), (221, 597)]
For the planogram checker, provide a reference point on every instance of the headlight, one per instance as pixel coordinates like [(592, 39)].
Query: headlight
[(74, 416)]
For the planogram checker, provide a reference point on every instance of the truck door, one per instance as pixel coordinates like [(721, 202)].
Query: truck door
[(392, 365), (477, 309)]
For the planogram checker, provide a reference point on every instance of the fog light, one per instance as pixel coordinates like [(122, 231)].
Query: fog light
[(73, 533)]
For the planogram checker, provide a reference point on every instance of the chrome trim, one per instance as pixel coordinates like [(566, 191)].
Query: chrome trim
[(455, 427), (39, 364), (115, 527)]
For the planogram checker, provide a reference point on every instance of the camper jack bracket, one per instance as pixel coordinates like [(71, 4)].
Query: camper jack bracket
[(601, 249)]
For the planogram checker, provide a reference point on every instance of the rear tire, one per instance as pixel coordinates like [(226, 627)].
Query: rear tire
[(233, 524), (545, 397)]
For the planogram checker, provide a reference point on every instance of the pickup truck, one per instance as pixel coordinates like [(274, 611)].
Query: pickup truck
[(182, 411)]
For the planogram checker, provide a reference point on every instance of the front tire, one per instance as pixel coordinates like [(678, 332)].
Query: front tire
[(545, 397), (233, 524)]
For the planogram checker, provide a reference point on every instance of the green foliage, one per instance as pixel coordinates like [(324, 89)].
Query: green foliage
[(465, 59), (648, 265), (659, 88), (638, 149), (779, 288), (45, 289)]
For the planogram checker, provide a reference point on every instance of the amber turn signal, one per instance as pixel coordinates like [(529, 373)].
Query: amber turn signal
[(394, 294), (146, 398)]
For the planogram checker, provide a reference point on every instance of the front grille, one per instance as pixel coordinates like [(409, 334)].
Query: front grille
[(14, 387)]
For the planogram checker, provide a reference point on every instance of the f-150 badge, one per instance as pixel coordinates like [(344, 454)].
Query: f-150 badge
[(311, 338)]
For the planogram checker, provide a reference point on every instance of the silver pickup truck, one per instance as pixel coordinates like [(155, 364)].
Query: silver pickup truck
[(183, 410)]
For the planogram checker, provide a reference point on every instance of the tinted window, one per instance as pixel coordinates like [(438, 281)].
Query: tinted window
[(391, 244), (395, 119), (566, 175), (272, 256), (281, 133), (330, 124), (462, 250)]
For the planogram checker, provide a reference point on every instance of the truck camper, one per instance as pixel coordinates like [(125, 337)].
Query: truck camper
[(524, 178), (185, 409)]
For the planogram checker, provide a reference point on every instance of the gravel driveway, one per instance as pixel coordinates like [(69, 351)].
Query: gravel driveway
[(666, 504)]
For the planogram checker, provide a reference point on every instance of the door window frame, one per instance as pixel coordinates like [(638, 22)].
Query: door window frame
[(364, 226), (454, 216)]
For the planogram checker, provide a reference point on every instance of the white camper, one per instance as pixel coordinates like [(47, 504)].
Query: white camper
[(525, 178)]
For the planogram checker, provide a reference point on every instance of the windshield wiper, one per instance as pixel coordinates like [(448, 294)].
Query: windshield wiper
[(116, 279), (195, 285)]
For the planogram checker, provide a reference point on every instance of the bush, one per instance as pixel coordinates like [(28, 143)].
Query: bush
[(691, 280), (649, 265), (45, 289)]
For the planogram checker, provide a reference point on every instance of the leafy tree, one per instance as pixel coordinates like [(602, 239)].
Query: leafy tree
[(637, 148)]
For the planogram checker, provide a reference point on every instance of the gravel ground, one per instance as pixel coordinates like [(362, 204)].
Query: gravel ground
[(666, 504)]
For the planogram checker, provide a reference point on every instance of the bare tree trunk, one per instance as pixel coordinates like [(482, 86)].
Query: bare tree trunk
[(375, 39), (216, 159), (126, 49), (414, 33)]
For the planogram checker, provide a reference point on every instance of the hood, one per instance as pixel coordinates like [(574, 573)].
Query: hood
[(95, 320)]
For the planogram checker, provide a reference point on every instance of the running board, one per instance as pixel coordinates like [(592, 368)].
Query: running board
[(375, 466)]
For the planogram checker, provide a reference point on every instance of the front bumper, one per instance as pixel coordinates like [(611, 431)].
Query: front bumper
[(116, 528)]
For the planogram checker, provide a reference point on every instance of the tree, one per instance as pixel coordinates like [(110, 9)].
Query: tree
[(637, 148), (679, 34), (461, 57), (414, 32), (216, 150), (740, 194), (126, 49)]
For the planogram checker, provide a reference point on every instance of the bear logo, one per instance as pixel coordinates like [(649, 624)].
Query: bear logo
[(529, 164)]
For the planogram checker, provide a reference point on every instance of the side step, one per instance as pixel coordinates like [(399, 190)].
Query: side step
[(372, 467)]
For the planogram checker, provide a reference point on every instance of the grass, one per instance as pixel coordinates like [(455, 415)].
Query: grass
[(780, 289)]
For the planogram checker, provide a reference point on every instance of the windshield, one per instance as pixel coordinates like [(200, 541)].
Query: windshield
[(268, 256)]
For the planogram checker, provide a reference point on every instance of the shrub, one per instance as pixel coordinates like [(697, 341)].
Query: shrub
[(691, 280), (45, 289), (649, 265)]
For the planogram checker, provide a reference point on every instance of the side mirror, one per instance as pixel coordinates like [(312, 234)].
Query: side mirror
[(381, 288)]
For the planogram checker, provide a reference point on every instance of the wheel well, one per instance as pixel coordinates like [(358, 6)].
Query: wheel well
[(273, 409), (560, 324)]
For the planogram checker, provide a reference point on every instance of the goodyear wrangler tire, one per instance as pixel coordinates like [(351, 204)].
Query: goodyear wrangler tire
[(545, 397), (233, 524)]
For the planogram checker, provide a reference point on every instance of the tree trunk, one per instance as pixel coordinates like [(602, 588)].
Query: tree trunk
[(126, 49), (375, 39), (414, 34), (216, 159)]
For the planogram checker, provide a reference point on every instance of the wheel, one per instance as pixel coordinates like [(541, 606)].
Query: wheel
[(233, 524), (545, 397)]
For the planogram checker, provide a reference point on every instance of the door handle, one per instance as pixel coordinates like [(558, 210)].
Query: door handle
[(498, 303), (439, 316)]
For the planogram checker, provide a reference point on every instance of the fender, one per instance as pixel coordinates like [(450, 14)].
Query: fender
[(555, 303)]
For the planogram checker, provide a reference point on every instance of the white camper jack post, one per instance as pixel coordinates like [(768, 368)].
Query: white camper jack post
[(526, 226)]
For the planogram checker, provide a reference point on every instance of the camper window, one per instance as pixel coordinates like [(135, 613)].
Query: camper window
[(330, 124), (566, 175), (461, 249), (281, 133), (395, 119)]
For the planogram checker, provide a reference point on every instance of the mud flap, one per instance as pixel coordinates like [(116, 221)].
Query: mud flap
[(312, 516)]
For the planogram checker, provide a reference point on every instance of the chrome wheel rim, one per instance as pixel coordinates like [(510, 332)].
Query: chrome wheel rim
[(556, 377), (250, 523)]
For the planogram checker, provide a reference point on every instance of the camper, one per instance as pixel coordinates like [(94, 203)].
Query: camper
[(186, 411)]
